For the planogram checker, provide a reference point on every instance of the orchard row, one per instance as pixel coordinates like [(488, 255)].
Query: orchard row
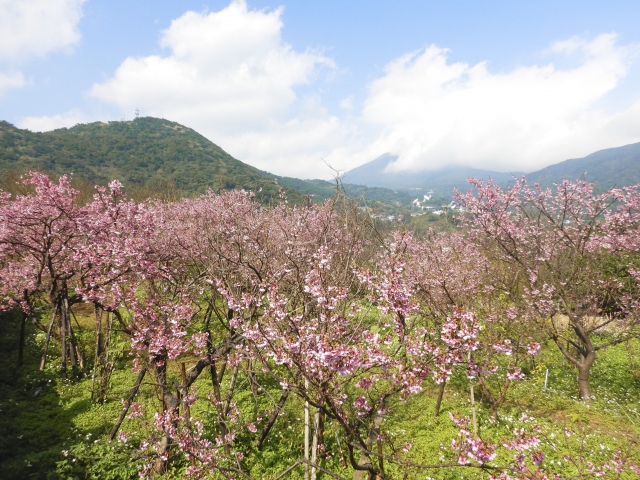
[(312, 299)]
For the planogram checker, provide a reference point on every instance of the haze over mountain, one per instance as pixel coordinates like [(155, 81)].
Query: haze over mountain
[(442, 181), (606, 168)]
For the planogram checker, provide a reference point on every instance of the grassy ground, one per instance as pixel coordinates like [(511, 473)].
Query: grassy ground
[(51, 428)]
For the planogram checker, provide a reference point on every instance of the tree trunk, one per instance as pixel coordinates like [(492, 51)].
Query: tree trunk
[(314, 444), (105, 367), (77, 358), (219, 406), (47, 339), (185, 406), (98, 349), (365, 460), (272, 419), (306, 432), (63, 336), (472, 397), (169, 404), (585, 358), (439, 399), (584, 368), (69, 347), (21, 341), (127, 404)]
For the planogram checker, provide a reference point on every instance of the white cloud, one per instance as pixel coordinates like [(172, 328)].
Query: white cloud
[(33, 28), (47, 123), (11, 80), (346, 103), (307, 145), (36, 27), (230, 76), (435, 113)]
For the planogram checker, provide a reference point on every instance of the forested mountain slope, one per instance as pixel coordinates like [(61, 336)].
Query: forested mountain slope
[(150, 155), (146, 153), (618, 166)]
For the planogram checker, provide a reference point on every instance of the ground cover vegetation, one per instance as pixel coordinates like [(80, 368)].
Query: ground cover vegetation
[(216, 337)]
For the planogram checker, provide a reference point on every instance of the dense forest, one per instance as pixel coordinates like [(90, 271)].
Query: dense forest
[(219, 337), (146, 154)]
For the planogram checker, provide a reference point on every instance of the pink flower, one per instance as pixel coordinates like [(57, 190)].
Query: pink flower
[(533, 348), (515, 374)]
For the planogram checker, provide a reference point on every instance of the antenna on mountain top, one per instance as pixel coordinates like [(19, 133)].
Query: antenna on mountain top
[(136, 112)]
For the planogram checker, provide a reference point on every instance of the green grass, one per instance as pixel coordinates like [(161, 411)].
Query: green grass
[(52, 429)]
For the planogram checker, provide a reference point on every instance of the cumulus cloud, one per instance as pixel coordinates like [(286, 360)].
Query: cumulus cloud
[(230, 76), (433, 112), (51, 122), (33, 28), (10, 80), (347, 103)]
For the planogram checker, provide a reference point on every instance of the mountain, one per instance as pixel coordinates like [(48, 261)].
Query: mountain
[(618, 166), (606, 168), (151, 156), (146, 154), (442, 182)]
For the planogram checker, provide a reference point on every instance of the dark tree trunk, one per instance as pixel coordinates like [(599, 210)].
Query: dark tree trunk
[(98, 349), (127, 404), (219, 407), (47, 339), (23, 324), (171, 404), (63, 335), (272, 419), (185, 389), (70, 344), (583, 361), (439, 399), (104, 365), (584, 368), (368, 470), (98, 313), (77, 359), (321, 422)]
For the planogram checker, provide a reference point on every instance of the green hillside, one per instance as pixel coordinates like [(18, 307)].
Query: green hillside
[(146, 154), (151, 156), (320, 190), (607, 168)]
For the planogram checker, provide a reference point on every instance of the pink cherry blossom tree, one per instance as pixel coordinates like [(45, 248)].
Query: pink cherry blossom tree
[(39, 241), (450, 273), (560, 252)]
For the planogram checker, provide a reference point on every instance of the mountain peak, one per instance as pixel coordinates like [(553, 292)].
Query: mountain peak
[(146, 153)]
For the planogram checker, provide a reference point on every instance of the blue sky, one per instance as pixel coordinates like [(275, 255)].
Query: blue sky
[(291, 87)]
